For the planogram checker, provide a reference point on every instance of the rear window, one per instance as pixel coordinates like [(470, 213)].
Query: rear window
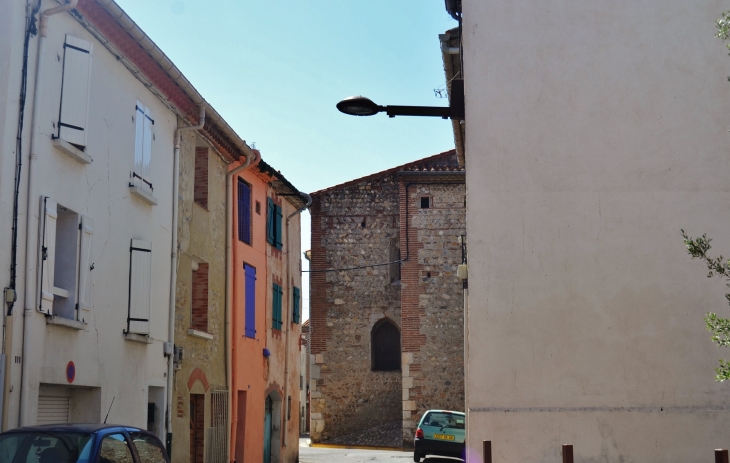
[(45, 447), (444, 420)]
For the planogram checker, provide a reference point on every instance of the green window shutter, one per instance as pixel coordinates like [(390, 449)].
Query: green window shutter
[(279, 218), (270, 221), (276, 309), (295, 309)]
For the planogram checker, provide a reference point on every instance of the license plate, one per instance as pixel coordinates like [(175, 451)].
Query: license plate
[(443, 437)]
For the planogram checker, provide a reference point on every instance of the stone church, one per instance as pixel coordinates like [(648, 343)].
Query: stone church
[(386, 305)]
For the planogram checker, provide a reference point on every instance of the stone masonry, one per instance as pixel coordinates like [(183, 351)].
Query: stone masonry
[(357, 229)]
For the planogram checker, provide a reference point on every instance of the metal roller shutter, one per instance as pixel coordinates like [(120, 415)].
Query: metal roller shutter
[(53, 410)]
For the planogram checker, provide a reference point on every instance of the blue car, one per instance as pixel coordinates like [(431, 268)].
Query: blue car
[(440, 432), (81, 443)]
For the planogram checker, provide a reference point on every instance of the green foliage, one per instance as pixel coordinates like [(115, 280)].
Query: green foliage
[(723, 27), (716, 267)]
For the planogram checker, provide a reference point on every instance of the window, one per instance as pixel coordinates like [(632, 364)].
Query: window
[(425, 202), (393, 259), (258, 208), (199, 305), (74, 109), (250, 301), (149, 449), (244, 211), (296, 302), (65, 262), (142, 146), (385, 345), (140, 279), (200, 183), (115, 449), (273, 224), (276, 306)]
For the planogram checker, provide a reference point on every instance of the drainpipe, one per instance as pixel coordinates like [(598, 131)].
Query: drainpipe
[(31, 260), (173, 266), (289, 303), (252, 158)]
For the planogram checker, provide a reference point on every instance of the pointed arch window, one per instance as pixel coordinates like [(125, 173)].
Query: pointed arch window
[(385, 346)]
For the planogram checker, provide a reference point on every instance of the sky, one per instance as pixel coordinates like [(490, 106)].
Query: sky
[(275, 69)]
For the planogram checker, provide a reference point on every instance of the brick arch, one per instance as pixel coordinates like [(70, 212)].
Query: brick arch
[(198, 375), (274, 387)]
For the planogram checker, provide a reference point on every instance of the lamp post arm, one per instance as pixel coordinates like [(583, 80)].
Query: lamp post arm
[(428, 111)]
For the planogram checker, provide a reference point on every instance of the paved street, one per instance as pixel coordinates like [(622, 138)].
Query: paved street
[(326, 455)]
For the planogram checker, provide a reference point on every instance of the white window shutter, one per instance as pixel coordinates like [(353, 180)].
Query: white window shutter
[(139, 138), (140, 282), (74, 118), (147, 151), (48, 253), (84, 294)]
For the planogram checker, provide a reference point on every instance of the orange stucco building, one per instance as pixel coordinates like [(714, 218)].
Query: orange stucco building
[(265, 315)]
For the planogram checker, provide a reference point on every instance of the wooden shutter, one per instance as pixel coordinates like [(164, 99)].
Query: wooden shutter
[(84, 294), (276, 309), (53, 410), (75, 88), (250, 328), (140, 279), (244, 212), (48, 254), (279, 218), (147, 147), (270, 222), (143, 142), (295, 309)]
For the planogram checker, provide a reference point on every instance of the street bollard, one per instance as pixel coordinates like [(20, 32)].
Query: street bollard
[(487, 451), (567, 453), (721, 456)]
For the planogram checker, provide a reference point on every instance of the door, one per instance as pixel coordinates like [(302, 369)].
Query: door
[(267, 429), (53, 410)]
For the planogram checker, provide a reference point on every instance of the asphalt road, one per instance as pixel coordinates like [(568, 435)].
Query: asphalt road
[(326, 455)]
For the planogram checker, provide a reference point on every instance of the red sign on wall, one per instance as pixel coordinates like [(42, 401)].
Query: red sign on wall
[(70, 372)]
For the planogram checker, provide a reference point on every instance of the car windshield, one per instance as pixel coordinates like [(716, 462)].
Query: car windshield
[(45, 447), (444, 420)]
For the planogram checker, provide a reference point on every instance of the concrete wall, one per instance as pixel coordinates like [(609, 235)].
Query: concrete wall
[(202, 238), (596, 131), (123, 369)]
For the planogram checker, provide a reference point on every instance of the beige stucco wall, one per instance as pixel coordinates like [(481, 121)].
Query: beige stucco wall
[(595, 132), (124, 370), (202, 238)]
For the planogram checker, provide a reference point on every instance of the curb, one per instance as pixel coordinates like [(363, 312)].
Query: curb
[(356, 447)]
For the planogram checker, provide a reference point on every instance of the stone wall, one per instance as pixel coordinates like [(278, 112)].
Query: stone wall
[(352, 226), (432, 298)]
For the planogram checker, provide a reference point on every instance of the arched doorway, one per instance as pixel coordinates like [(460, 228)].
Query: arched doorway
[(268, 431), (272, 428), (385, 346)]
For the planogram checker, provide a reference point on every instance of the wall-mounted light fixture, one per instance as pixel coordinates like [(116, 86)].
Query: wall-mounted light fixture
[(361, 106)]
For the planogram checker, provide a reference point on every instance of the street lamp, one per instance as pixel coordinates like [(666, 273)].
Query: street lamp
[(361, 106)]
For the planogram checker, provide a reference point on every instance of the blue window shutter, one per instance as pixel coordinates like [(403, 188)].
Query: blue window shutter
[(276, 307), (250, 328), (295, 311), (270, 221), (279, 218), (244, 212)]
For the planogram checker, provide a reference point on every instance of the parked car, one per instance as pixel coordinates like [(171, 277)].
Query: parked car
[(440, 432), (81, 443)]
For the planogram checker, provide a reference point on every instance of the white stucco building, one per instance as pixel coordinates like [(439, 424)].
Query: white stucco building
[(595, 131), (95, 213)]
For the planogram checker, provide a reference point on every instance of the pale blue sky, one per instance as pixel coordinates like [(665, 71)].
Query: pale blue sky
[(274, 69)]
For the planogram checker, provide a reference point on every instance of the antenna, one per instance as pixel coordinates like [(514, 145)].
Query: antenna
[(110, 409)]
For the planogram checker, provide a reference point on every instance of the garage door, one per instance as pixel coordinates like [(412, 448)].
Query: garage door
[(53, 410)]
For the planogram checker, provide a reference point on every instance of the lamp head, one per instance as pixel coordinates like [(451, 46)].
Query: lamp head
[(359, 106)]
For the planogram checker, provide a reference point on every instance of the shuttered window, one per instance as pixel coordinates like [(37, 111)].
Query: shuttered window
[(53, 410), (250, 301), (75, 86), (142, 145), (244, 211), (274, 219), (276, 307), (296, 302), (48, 254), (85, 266), (140, 279)]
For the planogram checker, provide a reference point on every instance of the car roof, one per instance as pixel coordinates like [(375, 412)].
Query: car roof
[(445, 411), (75, 427)]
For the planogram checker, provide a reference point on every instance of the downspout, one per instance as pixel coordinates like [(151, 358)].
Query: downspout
[(252, 158), (173, 269), (31, 260), (289, 303)]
